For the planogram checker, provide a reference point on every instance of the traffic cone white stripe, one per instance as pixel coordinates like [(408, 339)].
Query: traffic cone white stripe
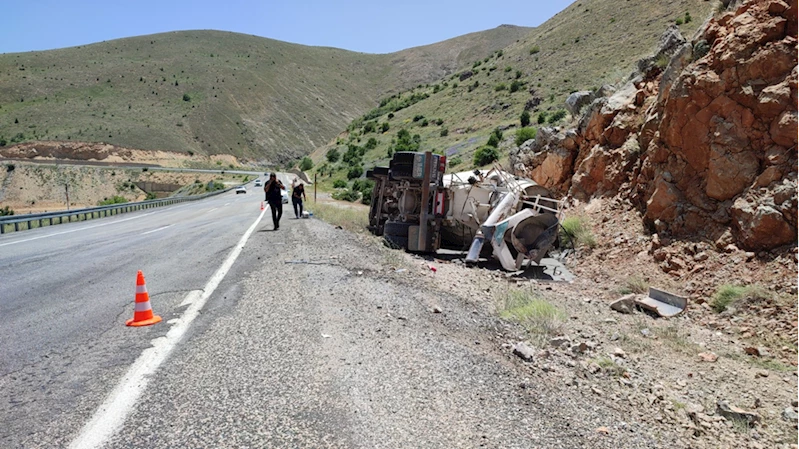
[(142, 306), (141, 289)]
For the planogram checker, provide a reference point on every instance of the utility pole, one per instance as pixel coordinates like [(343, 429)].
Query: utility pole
[(66, 188), (314, 187)]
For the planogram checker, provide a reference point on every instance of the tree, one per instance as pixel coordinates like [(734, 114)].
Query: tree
[(306, 164), (525, 119), (485, 155), (525, 134), (355, 172), (333, 155)]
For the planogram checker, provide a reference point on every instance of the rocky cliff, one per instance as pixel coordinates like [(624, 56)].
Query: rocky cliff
[(703, 141)]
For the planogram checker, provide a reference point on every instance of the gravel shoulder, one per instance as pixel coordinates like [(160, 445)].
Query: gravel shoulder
[(334, 341)]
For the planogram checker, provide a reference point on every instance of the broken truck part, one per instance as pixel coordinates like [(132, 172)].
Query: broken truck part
[(416, 206)]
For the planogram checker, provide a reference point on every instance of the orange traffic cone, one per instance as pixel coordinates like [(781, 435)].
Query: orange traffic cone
[(262, 205), (143, 314)]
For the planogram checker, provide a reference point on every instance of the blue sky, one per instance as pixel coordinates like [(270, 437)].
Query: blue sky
[(368, 26)]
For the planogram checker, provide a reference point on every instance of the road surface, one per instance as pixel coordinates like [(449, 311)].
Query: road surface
[(306, 340)]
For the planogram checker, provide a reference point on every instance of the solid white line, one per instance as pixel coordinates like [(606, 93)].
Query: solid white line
[(211, 210), (75, 230), (227, 204), (155, 230), (111, 414)]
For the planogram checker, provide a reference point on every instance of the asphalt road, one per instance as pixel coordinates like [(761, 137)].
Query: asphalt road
[(67, 290), (311, 339)]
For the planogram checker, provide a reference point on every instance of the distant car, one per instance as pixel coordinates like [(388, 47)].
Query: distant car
[(257, 183), (241, 189), (284, 196)]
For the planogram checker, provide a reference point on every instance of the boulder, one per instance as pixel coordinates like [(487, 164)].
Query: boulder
[(760, 226), (576, 101)]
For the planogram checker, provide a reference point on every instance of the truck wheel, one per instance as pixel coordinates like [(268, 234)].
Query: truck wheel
[(395, 241), (396, 233)]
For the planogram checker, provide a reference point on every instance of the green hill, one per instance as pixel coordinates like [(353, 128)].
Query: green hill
[(212, 92), (588, 44)]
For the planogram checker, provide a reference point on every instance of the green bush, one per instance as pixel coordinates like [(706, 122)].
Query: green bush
[(518, 74), (333, 155), (678, 22), (439, 121), (525, 119), (525, 134), (365, 187), (727, 295), (346, 195), (485, 155), (339, 184), (457, 160), (384, 127), (500, 87), (371, 144), (116, 199), (354, 171), (535, 50), (6, 211), (424, 123), (508, 69), (577, 231), (557, 116), (418, 117), (186, 97), (515, 86), (368, 127), (214, 186), (542, 118), (306, 164), (444, 132)]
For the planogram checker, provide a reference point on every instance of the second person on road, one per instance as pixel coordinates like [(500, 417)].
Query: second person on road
[(297, 196), (272, 189)]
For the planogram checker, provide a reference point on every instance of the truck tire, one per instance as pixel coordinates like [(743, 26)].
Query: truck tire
[(396, 233)]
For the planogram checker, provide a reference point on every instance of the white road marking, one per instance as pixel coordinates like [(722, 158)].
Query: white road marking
[(111, 414), (75, 230), (227, 204), (211, 210), (155, 230)]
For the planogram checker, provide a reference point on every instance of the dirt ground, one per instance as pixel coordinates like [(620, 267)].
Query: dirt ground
[(36, 187), (669, 373)]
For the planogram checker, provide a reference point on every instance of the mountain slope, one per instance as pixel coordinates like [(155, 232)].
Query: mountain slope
[(588, 44), (212, 92)]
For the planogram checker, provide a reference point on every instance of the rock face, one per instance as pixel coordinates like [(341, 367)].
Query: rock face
[(703, 146)]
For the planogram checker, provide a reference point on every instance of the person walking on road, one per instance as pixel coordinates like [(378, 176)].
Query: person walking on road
[(275, 199), (297, 196)]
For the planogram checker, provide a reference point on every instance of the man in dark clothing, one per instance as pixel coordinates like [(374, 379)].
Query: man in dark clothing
[(274, 198), (297, 195)]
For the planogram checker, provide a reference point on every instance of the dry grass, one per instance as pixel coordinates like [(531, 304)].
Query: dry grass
[(348, 215), (538, 316)]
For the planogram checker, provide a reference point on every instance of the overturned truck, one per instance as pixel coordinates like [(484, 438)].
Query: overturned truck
[(416, 206)]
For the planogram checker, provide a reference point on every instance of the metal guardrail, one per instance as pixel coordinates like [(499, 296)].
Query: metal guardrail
[(11, 223)]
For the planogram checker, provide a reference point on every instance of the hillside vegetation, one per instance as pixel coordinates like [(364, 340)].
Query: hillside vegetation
[(587, 45), (212, 92)]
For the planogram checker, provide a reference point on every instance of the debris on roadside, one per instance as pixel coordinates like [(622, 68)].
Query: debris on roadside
[(728, 411)]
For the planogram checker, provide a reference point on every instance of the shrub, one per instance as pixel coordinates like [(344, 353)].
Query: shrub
[(518, 74), (371, 144), (454, 86), (346, 195), (116, 199), (214, 186), (365, 188), (6, 211), (339, 184), (439, 121), (542, 118), (525, 134), (688, 17), (333, 155), (444, 132), (728, 295), (390, 115), (525, 119), (355, 172), (457, 160), (186, 97), (535, 50), (384, 127), (576, 230), (368, 127), (536, 314), (492, 141), (634, 284), (3, 141), (678, 22), (306, 164), (500, 87), (508, 69), (557, 116), (16, 121), (425, 123), (515, 86), (10, 167), (418, 117), (485, 155)]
